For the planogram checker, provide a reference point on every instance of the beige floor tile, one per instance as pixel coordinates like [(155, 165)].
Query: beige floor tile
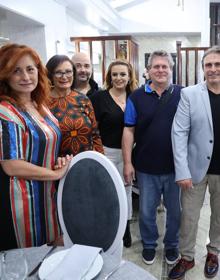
[(159, 268)]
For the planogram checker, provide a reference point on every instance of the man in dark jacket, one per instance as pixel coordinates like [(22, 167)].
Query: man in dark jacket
[(83, 82)]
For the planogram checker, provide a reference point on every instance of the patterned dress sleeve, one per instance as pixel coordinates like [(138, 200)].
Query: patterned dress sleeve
[(11, 138), (97, 142)]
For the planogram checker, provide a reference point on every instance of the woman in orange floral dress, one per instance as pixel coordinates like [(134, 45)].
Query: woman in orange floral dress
[(73, 110)]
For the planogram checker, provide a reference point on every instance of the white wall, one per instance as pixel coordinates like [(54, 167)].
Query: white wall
[(50, 14), (205, 25), (22, 30), (30, 36), (150, 43), (58, 26), (165, 16), (76, 29)]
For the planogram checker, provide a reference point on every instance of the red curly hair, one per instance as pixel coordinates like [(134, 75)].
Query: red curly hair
[(9, 56)]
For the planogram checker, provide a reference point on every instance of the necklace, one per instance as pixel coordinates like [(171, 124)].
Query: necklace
[(58, 94), (121, 99)]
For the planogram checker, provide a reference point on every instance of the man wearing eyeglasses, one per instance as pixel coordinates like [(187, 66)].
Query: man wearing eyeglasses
[(196, 148), (83, 82)]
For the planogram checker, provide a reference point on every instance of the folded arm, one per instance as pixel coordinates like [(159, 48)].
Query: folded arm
[(28, 171)]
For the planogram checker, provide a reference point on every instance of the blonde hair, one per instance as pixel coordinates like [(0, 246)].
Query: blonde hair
[(131, 86)]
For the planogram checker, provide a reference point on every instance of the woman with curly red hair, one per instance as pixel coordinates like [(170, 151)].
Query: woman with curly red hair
[(29, 143)]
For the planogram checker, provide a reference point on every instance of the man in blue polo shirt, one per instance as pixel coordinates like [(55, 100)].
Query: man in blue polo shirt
[(148, 120)]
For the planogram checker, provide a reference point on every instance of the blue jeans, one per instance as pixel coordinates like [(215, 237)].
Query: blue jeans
[(151, 188)]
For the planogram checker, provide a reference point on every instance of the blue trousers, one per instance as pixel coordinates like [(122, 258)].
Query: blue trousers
[(151, 188)]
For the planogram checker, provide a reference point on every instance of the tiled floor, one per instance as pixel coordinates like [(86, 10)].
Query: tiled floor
[(159, 268)]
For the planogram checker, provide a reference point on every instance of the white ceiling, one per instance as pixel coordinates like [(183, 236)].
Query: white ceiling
[(127, 16), (107, 16), (120, 5), (97, 13), (16, 19)]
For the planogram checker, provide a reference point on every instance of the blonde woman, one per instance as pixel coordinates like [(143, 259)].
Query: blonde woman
[(109, 106)]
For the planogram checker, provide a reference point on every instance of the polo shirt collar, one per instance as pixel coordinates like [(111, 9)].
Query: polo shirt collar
[(149, 90)]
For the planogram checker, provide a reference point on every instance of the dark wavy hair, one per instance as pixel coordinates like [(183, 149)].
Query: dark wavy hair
[(131, 86), (213, 50), (54, 61), (9, 56)]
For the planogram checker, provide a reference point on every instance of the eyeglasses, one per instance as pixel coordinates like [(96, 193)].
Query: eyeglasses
[(60, 74)]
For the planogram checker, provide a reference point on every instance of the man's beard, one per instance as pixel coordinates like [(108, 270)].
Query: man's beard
[(83, 79)]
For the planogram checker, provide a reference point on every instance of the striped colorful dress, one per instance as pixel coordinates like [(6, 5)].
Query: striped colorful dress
[(28, 215)]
